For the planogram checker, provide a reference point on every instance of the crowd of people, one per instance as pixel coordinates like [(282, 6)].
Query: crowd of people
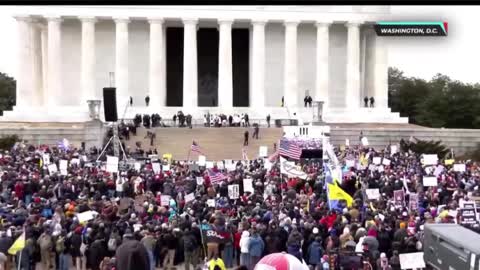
[(149, 214)]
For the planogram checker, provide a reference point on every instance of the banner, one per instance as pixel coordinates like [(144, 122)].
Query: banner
[(413, 202), (112, 164), (459, 167), (86, 216), (430, 159), (63, 166), (234, 191), (212, 236), (399, 198), (248, 185), (291, 170)]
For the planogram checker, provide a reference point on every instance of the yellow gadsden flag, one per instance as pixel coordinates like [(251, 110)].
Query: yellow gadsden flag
[(18, 245), (337, 193)]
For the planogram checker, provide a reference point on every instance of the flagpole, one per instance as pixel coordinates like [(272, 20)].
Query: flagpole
[(19, 260)]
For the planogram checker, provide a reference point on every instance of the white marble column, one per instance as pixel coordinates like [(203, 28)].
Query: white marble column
[(88, 61), (381, 73), (257, 91), (290, 72), (44, 37), (190, 76), (37, 64), (157, 62), (353, 95), (54, 61), (25, 89), (322, 66), (121, 62), (225, 72)]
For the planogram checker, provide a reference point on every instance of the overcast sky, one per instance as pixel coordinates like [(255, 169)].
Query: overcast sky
[(453, 55)]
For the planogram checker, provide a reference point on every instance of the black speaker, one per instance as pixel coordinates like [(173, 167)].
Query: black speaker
[(110, 104)]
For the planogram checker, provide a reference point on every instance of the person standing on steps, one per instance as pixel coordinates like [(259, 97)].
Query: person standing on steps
[(256, 129), (268, 120), (245, 138), (147, 100), (365, 101), (174, 120), (372, 102), (131, 101)]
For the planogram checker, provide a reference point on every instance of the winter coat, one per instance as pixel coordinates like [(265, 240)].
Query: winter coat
[(131, 254), (244, 241), (314, 253), (256, 246)]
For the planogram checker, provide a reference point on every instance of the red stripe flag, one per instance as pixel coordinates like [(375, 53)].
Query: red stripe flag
[(290, 149), (195, 148), (216, 177)]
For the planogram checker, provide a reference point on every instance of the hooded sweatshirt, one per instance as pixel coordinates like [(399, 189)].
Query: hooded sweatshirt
[(244, 240)]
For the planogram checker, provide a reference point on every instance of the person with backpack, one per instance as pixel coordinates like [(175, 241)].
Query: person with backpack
[(315, 253), (190, 247)]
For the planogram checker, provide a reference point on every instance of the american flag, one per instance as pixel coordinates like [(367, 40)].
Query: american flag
[(216, 177), (195, 148), (273, 156), (290, 149)]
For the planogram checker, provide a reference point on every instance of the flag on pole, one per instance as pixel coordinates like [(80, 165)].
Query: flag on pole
[(273, 156), (290, 149), (244, 154), (18, 245), (216, 177), (336, 193), (195, 147)]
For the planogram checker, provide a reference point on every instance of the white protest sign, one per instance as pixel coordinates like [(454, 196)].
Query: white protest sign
[(211, 202), (380, 168), (267, 164), (209, 164), (347, 142), (430, 181), (52, 168), (156, 167), (84, 158), (137, 166), (263, 151), (377, 160), (386, 162), (166, 167), (46, 159), (430, 159), (220, 165), (248, 185), (164, 200), (459, 167), (86, 216), (202, 160), (412, 260), (393, 149), (112, 164), (74, 161), (364, 141), (137, 227), (63, 166), (373, 193), (350, 163), (438, 170), (199, 180), (189, 197), (372, 167), (234, 191)]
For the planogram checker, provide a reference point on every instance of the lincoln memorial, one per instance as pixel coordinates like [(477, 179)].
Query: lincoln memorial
[(199, 59)]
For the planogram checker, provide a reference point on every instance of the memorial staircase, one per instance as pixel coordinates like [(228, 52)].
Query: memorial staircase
[(216, 143)]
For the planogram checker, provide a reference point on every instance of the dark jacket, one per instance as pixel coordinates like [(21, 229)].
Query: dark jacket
[(131, 254), (314, 253)]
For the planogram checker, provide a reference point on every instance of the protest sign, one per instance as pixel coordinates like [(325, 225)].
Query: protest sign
[(393, 149), (189, 197), (211, 202), (350, 163), (267, 164), (430, 181), (347, 142), (413, 201), (459, 167), (412, 260), (202, 160), (430, 159), (86, 216), (46, 159), (399, 197), (364, 141), (156, 167), (386, 162), (199, 180), (209, 164), (165, 200), (74, 161), (263, 151), (449, 161), (248, 185), (63, 166), (468, 213), (112, 164), (137, 166), (137, 227), (377, 160), (168, 157), (372, 167), (438, 170), (380, 168), (220, 165), (373, 193), (166, 167), (234, 192), (52, 168)]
